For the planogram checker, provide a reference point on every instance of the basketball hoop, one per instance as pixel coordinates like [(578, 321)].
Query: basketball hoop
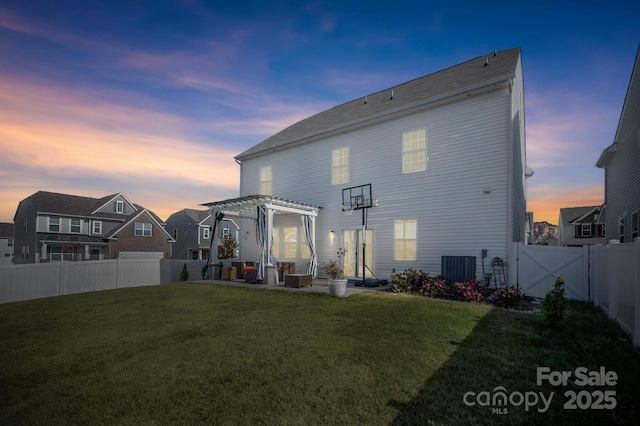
[(348, 208)]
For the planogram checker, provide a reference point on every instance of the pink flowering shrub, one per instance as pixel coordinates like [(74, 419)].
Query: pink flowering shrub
[(418, 282), (470, 291)]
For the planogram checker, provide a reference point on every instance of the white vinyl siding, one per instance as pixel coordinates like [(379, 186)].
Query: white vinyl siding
[(414, 151), (340, 166), (461, 136), (266, 180), (405, 240)]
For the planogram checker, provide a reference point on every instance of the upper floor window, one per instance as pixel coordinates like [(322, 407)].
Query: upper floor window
[(142, 229), (226, 234), (119, 206), (205, 232), (414, 151), (175, 234), (75, 225), (265, 180), (97, 227), (340, 166), (10, 242), (586, 229), (54, 224), (634, 226), (405, 239)]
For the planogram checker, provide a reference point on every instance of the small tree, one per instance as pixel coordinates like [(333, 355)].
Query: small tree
[(554, 305), (227, 249), (184, 274)]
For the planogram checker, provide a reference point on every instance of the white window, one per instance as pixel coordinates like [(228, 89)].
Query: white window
[(265, 180), (54, 224), (290, 243), (205, 233), (586, 229), (226, 234), (142, 229), (75, 226), (405, 239), (119, 206), (97, 227), (414, 151), (340, 166)]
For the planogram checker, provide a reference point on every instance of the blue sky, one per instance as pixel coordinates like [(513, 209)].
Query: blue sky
[(154, 98)]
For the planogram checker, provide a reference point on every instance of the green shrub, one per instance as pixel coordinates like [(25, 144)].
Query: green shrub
[(184, 274), (419, 282), (554, 305)]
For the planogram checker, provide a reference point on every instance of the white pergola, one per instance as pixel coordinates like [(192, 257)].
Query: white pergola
[(262, 209)]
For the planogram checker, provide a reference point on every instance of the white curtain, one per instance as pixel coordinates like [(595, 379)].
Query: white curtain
[(309, 235), (261, 237)]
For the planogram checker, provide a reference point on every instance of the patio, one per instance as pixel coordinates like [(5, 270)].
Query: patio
[(319, 286)]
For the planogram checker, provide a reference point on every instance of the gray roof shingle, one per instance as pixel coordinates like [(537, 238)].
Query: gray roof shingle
[(468, 74)]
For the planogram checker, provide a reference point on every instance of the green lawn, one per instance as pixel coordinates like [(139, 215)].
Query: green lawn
[(187, 353)]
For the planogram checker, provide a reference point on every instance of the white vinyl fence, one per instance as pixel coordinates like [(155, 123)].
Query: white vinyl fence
[(33, 281), (615, 279), (608, 276)]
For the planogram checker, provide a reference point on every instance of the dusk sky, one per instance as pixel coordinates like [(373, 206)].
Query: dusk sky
[(154, 98)]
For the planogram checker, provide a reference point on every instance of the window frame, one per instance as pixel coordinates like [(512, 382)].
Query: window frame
[(411, 164), (206, 232), (586, 230), (51, 224), (140, 229), (405, 240), (120, 206), (340, 159), (96, 227), (266, 180), (78, 226)]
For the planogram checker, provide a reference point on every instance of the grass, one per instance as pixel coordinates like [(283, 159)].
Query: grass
[(187, 353)]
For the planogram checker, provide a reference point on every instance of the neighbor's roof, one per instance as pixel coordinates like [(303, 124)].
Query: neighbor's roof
[(6, 229), (76, 205), (501, 66), (570, 214)]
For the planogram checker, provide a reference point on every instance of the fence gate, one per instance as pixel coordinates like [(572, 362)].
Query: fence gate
[(539, 266)]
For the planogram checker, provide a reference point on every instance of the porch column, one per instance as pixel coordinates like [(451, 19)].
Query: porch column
[(43, 253)]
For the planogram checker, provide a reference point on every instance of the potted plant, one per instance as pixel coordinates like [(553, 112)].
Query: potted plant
[(337, 281)]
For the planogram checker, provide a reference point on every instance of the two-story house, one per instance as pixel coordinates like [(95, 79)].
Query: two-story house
[(579, 226), (52, 226), (621, 164), (191, 229), (6, 243), (445, 157)]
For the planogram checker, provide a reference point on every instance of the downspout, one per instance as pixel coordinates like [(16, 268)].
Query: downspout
[(510, 177)]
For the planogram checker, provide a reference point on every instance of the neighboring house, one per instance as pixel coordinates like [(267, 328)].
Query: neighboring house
[(579, 226), (444, 153), (621, 164), (191, 229), (6, 243), (52, 226)]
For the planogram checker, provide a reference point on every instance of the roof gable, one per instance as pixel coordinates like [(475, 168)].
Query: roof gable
[(108, 204), (486, 69), (141, 213), (577, 214)]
